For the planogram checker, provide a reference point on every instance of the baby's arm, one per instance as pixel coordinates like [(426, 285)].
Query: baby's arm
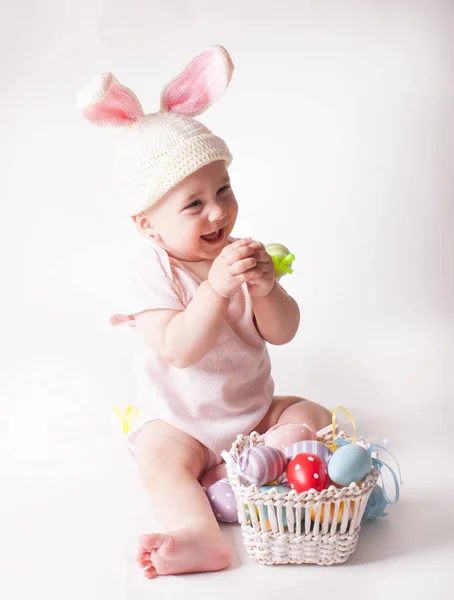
[(184, 337), (277, 315)]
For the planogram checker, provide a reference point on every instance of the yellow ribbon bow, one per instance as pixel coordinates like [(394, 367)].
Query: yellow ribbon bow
[(332, 445), (127, 417)]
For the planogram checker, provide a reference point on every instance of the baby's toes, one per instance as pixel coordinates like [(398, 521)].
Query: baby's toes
[(150, 572), (145, 563), (143, 558)]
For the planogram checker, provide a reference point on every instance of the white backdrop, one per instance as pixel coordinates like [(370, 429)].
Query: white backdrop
[(340, 116)]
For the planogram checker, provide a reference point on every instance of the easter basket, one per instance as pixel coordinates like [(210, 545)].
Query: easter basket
[(309, 527)]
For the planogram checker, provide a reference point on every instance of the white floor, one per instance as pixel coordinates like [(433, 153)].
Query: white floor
[(69, 527)]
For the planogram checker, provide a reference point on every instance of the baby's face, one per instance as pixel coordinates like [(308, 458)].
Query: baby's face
[(193, 220)]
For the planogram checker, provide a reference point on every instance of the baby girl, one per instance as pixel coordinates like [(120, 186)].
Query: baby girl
[(205, 304)]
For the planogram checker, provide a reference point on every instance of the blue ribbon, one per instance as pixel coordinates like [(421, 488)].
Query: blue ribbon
[(342, 442), (379, 464), (376, 505)]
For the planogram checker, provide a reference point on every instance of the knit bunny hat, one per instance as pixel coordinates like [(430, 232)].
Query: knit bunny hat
[(158, 150)]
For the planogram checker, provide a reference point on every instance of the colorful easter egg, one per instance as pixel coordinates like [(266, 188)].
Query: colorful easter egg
[(285, 435), (281, 489), (261, 464), (282, 480), (332, 508), (223, 501), (282, 259), (259, 523), (311, 447), (307, 471), (350, 463), (267, 524)]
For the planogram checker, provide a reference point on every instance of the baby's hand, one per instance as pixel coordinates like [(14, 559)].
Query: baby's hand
[(262, 284), (235, 265)]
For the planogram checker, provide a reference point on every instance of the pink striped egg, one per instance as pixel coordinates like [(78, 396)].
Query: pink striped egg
[(309, 447), (281, 436), (262, 464)]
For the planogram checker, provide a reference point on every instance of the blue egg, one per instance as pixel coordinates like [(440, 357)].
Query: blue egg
[(282, 489), (350, 463)]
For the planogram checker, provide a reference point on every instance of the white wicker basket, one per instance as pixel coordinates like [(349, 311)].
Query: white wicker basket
[(319, 527)]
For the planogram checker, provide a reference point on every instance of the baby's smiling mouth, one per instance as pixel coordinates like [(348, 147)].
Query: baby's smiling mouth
[(214, 236)]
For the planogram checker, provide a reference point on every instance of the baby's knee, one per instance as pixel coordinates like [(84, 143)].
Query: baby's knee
[(320, 415), (160, 454), (300, 410)]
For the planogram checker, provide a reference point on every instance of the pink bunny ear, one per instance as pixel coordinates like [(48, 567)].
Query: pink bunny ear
[(105, 101), (201, 83)]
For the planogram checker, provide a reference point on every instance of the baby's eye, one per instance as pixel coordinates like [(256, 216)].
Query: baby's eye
[(223, 189), (195, 203)]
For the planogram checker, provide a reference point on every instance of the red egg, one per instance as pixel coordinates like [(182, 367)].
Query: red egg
[(307, 471)]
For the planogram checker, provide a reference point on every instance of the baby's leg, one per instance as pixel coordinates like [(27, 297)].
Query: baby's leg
[(291, 409), (214, 474), (170, 463)]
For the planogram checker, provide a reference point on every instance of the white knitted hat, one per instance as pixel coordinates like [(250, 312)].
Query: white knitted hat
[(158, 150)]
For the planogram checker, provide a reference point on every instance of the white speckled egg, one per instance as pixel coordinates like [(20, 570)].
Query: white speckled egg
[(350, 463), (223, 501)]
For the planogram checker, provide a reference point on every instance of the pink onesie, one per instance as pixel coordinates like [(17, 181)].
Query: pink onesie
[(229, 391)]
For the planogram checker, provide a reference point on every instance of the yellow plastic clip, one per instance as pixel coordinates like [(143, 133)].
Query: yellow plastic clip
[(332, 445), (127, 417)]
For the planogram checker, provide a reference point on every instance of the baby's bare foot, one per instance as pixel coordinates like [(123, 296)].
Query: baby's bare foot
[(182, 551)]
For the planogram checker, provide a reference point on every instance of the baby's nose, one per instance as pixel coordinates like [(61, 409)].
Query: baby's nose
[(217, 213)]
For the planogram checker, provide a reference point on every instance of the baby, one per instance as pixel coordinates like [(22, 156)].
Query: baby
[(205, 304)]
